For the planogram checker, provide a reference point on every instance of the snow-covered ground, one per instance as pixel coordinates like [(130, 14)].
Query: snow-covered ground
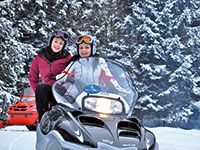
[(19, 138)]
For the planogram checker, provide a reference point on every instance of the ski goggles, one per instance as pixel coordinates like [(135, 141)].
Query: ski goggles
[(85, 39), (61, 34)]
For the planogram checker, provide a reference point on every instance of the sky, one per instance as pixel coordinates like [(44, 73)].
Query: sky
[(19, 138)]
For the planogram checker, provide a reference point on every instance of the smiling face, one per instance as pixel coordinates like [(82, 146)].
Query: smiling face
[(57, 44), (84, 50)]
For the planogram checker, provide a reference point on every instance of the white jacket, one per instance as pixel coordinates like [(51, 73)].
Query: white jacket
[(90, 71)]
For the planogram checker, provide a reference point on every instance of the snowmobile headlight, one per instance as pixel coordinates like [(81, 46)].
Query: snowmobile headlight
[(103, 105)]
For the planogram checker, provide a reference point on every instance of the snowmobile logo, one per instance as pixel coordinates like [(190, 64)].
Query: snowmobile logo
[(78, 135), (130, 145), (92, 89)]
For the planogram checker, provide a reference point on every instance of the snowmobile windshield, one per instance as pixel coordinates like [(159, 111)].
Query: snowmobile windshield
[(28, 99), (27, 91), (94, 75)]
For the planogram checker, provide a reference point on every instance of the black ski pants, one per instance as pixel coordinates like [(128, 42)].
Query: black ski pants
[(44, 99)]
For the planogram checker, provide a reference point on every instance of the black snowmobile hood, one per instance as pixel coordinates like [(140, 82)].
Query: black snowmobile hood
[(91, 129)]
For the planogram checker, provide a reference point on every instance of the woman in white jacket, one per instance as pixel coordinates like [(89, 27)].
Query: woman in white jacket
[(88, 72)]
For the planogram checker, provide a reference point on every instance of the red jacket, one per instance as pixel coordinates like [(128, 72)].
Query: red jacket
[(46, 69)]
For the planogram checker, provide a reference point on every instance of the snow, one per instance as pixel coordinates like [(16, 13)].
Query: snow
[(19, 138), (176, 138)]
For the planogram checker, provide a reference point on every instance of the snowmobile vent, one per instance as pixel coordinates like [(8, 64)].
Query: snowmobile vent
[(135, 121), (129, 129), (91, 121), (76, 113), (20, 108)]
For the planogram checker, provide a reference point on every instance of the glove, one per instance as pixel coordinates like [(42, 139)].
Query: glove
[(70, 80), (60, 89)]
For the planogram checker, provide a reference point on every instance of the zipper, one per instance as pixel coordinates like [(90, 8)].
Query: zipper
[(52, 76)]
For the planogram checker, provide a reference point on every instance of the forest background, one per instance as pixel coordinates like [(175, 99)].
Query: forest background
[(158, 41)]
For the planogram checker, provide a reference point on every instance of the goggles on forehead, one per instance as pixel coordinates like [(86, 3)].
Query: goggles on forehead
[(85, 39), (61, 34)]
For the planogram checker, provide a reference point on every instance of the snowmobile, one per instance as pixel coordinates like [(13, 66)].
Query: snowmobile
[(93, 115), (23, 112)]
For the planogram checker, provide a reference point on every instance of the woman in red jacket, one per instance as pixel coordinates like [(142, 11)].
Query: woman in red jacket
[(49, 62)]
